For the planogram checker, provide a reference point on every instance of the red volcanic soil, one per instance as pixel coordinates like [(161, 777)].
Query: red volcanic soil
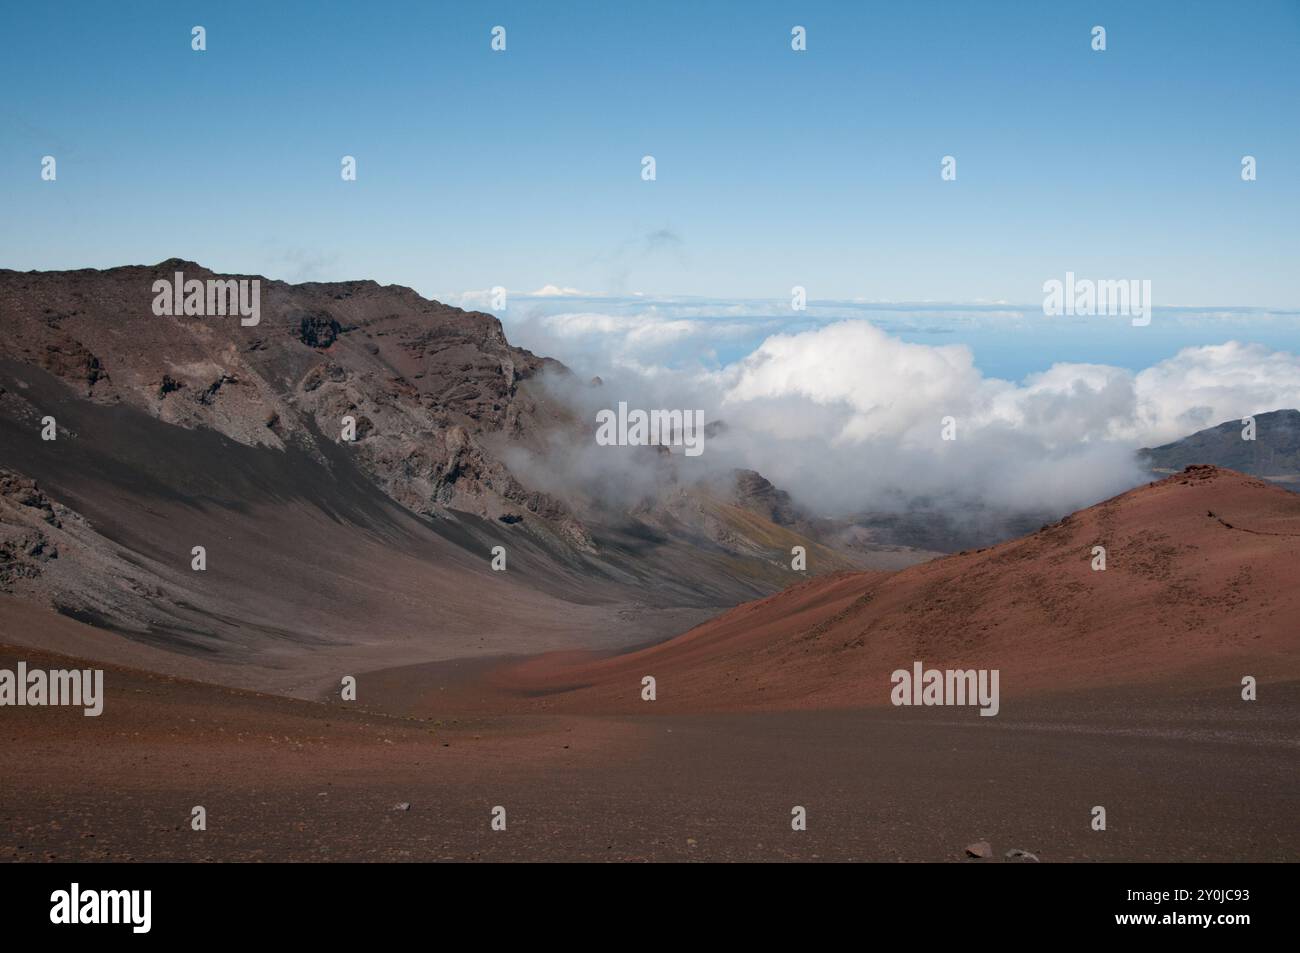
[(1119, 688), (1199, 590), (1183, 776)]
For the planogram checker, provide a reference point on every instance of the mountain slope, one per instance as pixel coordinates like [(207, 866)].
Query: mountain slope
[(1198, 589), (1273, 454), (176, 432)]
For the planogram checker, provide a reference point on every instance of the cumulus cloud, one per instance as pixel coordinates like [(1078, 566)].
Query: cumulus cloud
[(1204, 386), (480, 300), (848, 417), (1059, 439), (884, 384)]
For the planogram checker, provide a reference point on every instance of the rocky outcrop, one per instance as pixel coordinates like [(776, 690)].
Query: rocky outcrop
[(421, 381), (756, 493), (25, 547)]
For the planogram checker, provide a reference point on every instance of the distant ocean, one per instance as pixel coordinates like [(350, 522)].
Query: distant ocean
[(1008, 341)]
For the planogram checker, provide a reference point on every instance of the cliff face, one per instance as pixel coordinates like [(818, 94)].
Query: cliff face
[(422, 382)]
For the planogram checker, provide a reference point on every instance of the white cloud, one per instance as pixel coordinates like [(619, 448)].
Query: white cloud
[(554, 291), (482, 299), (1203, 386), (469, 300), (887, 387), (847, 416)]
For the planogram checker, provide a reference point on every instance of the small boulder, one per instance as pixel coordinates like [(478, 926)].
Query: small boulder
[(1021, 856)]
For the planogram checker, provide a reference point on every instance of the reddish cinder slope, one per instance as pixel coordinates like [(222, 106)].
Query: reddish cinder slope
[(1200, 588)]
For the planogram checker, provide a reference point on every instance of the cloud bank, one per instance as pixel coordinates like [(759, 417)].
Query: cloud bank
[(849, 417)]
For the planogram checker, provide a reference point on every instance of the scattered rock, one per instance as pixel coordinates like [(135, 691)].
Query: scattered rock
[(980, 849), (24, 491), (1021, 856), (402, 806), (209, 394)]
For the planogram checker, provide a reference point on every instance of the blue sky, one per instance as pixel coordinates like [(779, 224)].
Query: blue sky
[(820, 169), (775, 168)]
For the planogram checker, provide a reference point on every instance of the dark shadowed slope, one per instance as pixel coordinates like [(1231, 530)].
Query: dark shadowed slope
[(1273, 454)]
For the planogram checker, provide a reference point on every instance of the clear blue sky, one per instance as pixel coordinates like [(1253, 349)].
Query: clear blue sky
[(775, 168)]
